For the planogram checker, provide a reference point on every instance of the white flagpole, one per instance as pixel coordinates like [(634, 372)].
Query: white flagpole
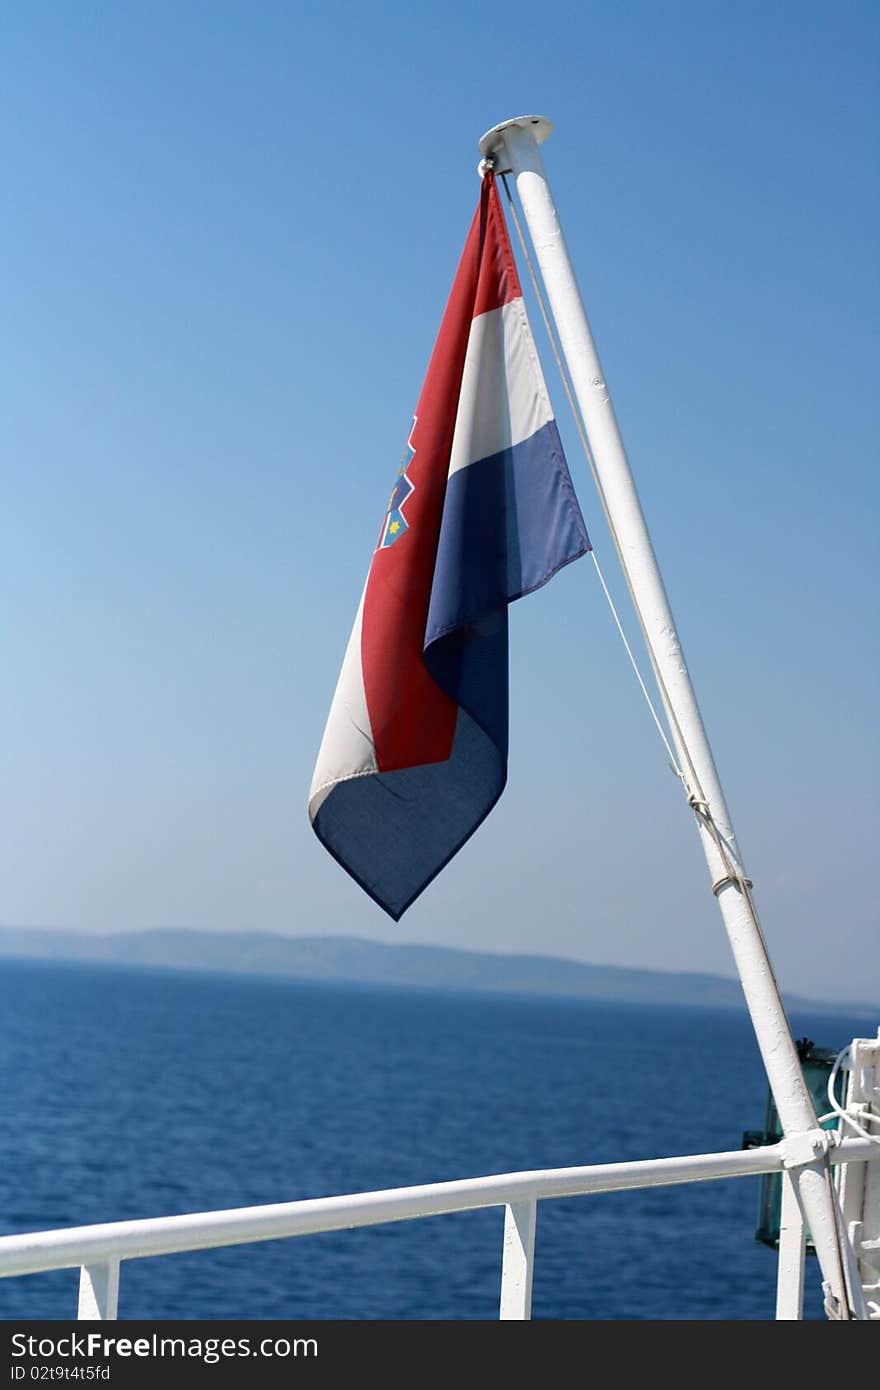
[(513, 147)]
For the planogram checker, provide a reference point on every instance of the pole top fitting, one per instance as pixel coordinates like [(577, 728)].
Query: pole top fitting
[(539, 126)]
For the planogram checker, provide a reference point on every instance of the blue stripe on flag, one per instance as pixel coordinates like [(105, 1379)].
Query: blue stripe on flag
[(385, 829), (509, 523)]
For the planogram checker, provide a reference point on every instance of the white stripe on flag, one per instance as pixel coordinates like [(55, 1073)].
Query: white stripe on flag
[(347, 749), (503, 397)]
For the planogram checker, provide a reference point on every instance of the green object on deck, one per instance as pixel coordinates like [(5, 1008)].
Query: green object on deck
[(817, 1064)]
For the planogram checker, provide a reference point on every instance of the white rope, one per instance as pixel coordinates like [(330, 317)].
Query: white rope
[(654, 715), (689, 779), (579, 425)]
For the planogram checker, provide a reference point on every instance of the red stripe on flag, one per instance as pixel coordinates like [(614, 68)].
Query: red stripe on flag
[(498, 280)]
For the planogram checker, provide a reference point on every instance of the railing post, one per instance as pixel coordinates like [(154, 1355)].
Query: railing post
[(792, 1253), (98, 1292), (860, 1182), (518, 1260)]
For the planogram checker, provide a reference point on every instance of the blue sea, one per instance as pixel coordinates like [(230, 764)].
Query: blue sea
[(132, 1093)]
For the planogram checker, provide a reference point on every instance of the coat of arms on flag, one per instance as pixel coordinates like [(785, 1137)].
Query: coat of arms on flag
[(395, 522)]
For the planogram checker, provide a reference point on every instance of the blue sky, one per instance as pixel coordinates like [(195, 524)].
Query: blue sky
[(229, 234)]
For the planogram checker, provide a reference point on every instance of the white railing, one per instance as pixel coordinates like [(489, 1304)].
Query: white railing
[(100, 1250)]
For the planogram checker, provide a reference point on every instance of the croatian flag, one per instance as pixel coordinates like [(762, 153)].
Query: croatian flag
[(482, 511)]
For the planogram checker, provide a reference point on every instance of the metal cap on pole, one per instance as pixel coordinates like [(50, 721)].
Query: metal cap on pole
[(513, 147)]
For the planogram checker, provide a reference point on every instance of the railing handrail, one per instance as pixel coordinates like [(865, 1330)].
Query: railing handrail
[(40, 1251)]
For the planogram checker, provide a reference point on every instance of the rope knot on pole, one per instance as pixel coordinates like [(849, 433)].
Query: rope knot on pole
[(731, 878)]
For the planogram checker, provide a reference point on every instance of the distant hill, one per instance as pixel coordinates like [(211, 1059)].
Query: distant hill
[(350, 959)]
